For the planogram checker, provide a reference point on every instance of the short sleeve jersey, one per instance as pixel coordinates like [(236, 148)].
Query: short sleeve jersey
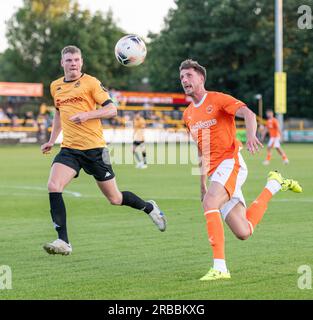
[(81, 95), (273, 127), (212, 126), (139, 125)]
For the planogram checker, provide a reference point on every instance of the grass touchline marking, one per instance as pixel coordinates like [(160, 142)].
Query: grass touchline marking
[(80, 195), (73, 193)]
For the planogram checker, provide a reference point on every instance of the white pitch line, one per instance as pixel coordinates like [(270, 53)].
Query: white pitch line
[(80, 195), (198, 198), (73, 193), (19, 194)]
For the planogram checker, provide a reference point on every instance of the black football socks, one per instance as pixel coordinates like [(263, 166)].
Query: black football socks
[(131, 200), (58, 214), (144, 156)]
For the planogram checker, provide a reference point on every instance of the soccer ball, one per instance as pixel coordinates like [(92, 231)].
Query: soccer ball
[(130, 51)]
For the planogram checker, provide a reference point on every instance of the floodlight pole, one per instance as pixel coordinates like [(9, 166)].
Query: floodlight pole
[(279, 48)]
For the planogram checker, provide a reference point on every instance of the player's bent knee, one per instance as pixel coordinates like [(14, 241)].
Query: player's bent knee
[(115, 201), (244, 235), (54, 186)]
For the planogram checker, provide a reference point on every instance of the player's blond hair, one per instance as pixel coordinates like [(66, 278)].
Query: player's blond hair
[(70, 49), (189, 63)]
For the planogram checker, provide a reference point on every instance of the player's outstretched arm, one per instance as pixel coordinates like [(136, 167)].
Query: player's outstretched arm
[(253, 142), (107, 112), (56, 129)]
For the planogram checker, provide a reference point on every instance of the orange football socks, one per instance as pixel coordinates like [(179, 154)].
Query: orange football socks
[(284, 156), (215, 231), (257, 208)]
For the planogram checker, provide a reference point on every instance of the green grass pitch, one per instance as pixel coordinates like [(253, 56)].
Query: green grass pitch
[(119, 254)]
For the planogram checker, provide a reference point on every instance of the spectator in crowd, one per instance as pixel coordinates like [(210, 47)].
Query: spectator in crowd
[(11, 116), (43, 122), (128, 122), (3, 117), (29, 119), (176, 114)]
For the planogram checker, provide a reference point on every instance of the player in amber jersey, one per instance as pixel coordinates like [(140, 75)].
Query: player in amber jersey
[(76, 97), (273, 129), (139, 148), (210, 120)]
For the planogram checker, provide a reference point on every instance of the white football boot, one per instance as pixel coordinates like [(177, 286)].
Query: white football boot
[(58, 247), (157, 216), (139, 165)]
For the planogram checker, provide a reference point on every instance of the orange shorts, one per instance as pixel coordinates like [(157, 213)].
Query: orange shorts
[(232, 174)]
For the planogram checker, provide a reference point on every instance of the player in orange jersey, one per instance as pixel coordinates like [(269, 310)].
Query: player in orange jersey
[(210, 119), (139, 149), (272, 127), (81, 102)]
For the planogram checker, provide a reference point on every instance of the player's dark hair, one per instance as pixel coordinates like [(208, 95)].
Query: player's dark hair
[(189, 63), (70, 49)]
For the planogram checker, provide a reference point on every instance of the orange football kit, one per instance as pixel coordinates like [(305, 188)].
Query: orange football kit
[(273, 128), (211, 124)]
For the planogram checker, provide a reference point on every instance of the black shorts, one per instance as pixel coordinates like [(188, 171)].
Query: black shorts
[(95, 162), (138, 143)]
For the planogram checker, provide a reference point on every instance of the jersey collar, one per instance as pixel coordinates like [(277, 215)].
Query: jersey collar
[(68, 81), (197, 105)]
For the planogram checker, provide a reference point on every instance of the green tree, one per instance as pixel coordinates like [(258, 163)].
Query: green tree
[(298, 61), (234, 40), (41, 28)]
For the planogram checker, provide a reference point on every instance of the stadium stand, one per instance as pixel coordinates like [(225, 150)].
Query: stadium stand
[(161, 111)]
